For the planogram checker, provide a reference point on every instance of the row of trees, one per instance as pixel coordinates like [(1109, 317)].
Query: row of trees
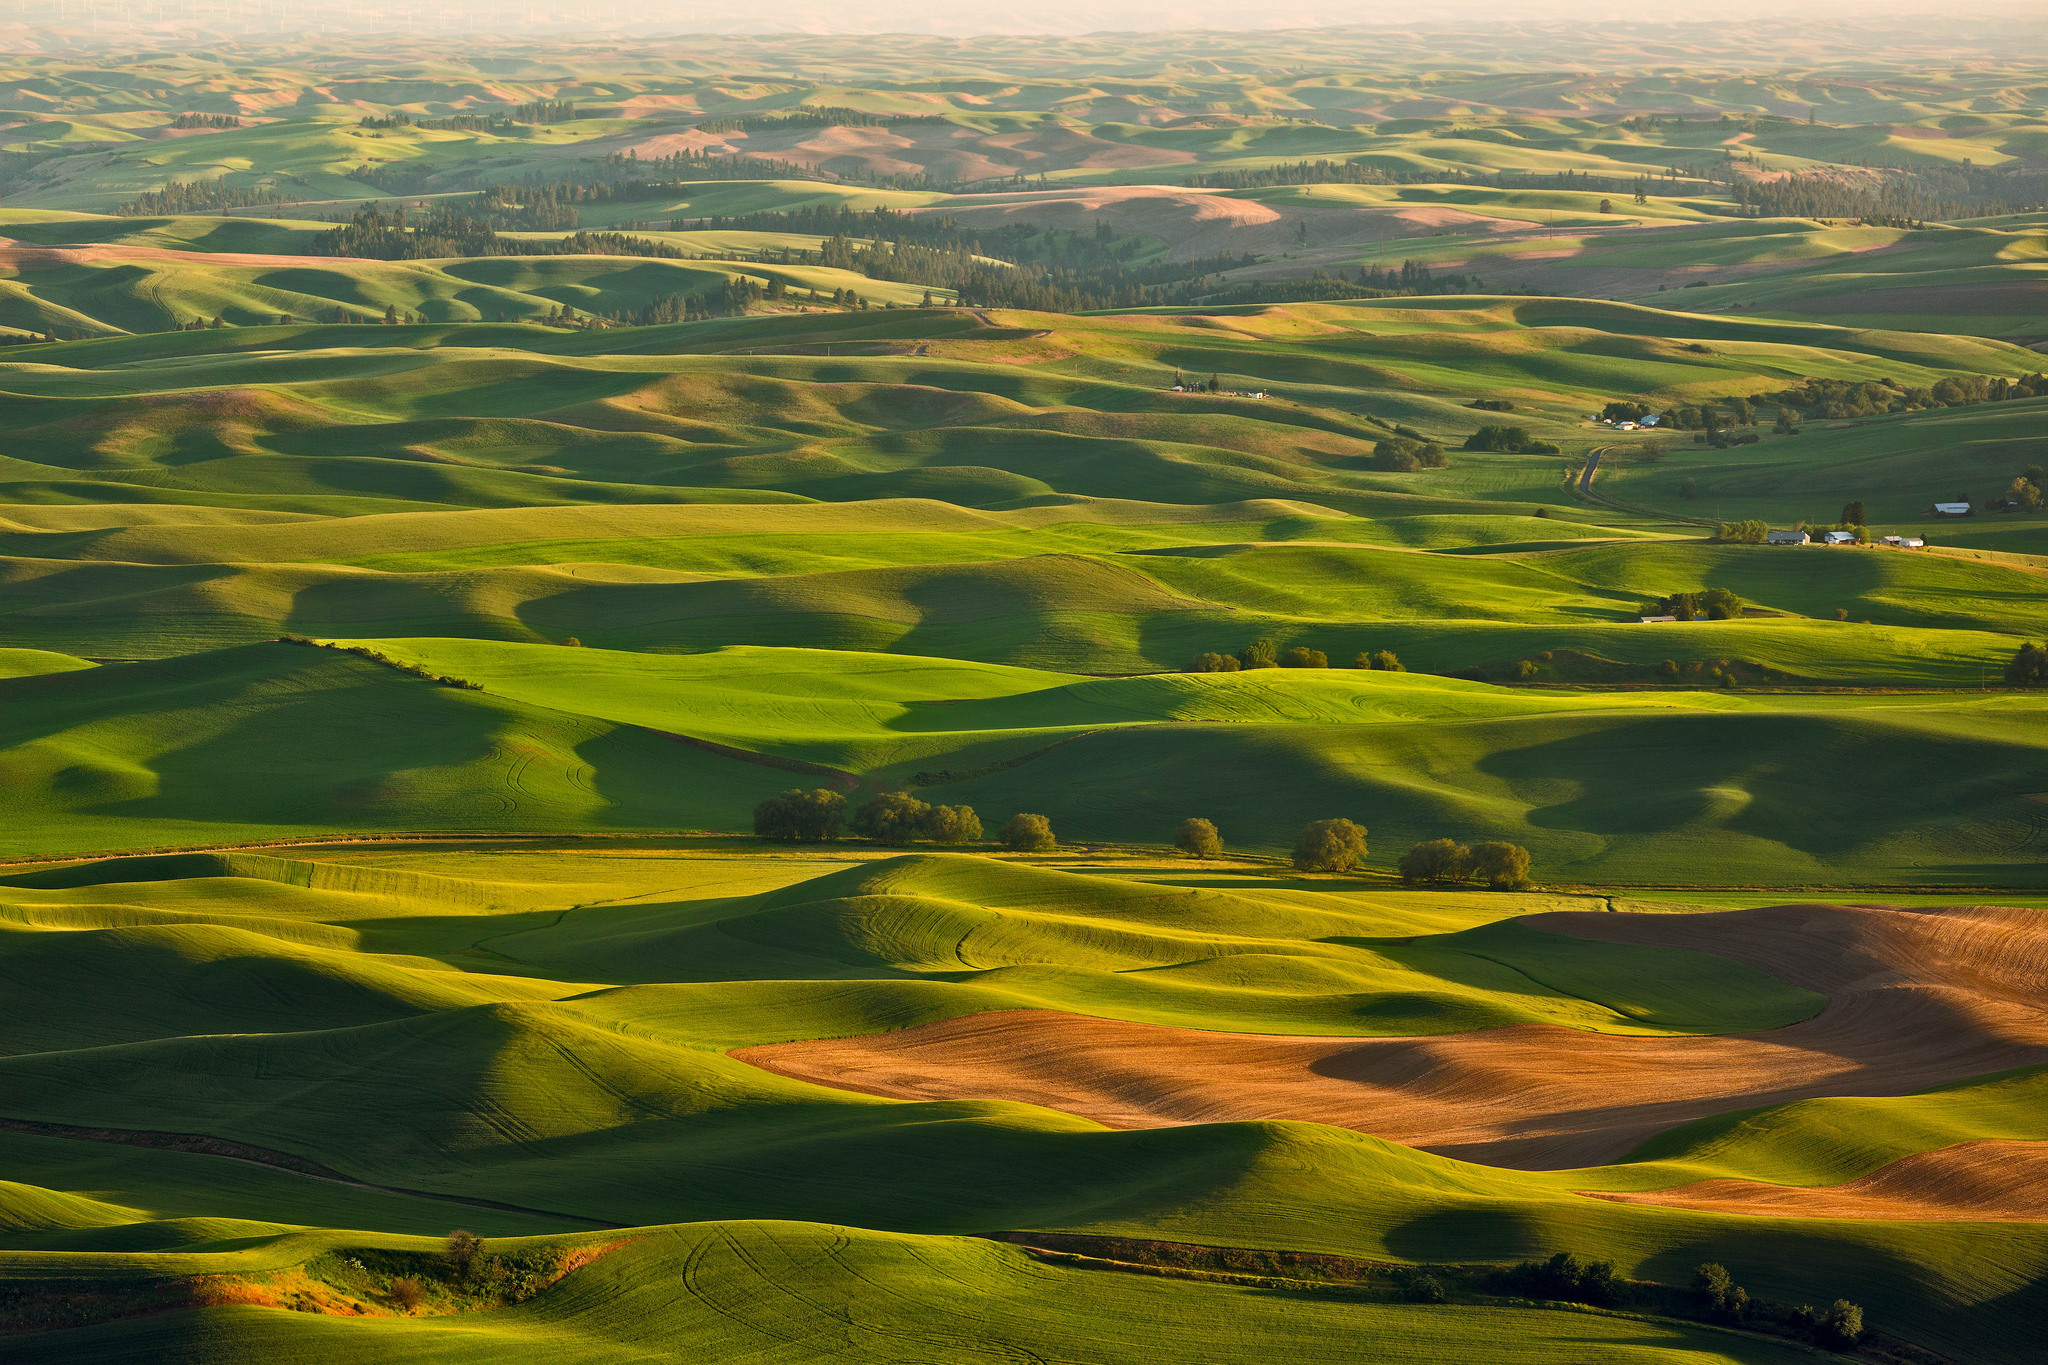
[(2029, 667), (1896, 196), (817, 816), (197, 196), (374, 235), (1840, 398), (1441, 862), (1707, 604), (811, 116), (1263, 653), (1401, 455), (1516, 439)]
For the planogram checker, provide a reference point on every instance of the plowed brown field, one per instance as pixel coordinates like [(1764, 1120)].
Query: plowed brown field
[(1915, 999), (1995, 1181)]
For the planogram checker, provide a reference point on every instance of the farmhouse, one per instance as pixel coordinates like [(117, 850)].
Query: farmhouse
[(1952, 509), (1905, 542), (1786, 538), (1657, 620), (1841, 538)]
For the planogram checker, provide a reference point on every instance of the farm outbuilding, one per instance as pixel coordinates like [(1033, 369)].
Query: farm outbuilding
[(1786, 538)]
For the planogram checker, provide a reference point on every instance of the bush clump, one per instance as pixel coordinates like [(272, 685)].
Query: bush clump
[(1400, 455), (1419, 1286), (1441, 862), (1383, 660), (1720, 1297), (1028, 834), (1198, 838), (1708, 604), (800, 817), (2029, 667), (1302, 657), (1838, 1327), (1504, 867), (1436, 861), (1330, 846), (1212, 662), (1260, 653), (898, 818), (1565, 1278), (1513, 439)]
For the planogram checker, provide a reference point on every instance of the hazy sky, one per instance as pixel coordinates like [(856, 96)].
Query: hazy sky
[(486, 18)]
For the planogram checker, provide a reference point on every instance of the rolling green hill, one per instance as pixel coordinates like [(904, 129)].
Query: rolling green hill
[(384, 707), (412, 1031)]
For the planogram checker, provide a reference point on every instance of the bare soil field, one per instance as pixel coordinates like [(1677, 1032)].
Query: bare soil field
[(1990, 1181), (1916, 999)]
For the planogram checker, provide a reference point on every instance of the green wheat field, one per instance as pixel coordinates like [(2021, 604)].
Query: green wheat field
[(451, 494)]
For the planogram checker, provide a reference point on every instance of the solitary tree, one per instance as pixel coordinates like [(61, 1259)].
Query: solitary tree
[(1330, 846), (1198, 838), (1504, 867), (1028, 834), (800, 817), (1435, 861)]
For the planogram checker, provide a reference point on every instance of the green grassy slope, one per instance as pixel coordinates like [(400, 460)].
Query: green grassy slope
[(619, 1104), (1635, 787), (779, 1291)]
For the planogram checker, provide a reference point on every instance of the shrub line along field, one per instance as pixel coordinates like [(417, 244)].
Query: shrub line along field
[(1055, 700)]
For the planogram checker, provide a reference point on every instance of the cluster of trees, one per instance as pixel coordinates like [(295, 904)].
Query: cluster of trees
[(816, 816), (1330, 846), (738, 295), (206, 121), (545, 111), (1402, 455), (1358, 171), (197, 196), (1708, 604), (1441, 862), (1263, 653), (1565, 1278), (899, 818), (1743, 532), (1515, 439), (2023, 494), (823, 116), (1371, 282), (372, 235), (1837, 398), (2029, 667), (1896, 197)]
